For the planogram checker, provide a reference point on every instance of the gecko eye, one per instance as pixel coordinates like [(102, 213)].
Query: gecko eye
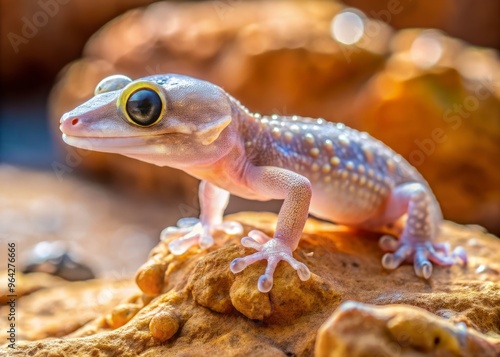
[(144, 107)]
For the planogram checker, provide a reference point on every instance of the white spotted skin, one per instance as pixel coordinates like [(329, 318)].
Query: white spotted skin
[(351, 173)]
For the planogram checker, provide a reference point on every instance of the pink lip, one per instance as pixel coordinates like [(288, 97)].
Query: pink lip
[(111, 144)]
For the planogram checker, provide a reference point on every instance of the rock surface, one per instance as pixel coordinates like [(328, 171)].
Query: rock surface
[(62, 309), (397, 330), (432, 98), (195, 305)]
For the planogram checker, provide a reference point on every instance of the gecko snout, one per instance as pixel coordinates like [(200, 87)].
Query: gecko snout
[(69, 123)]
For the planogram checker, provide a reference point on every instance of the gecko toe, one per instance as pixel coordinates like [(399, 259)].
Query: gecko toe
[(259, 236), (172, 231), (238, 265), (389, 261), (423, 269), (181, 245), (459, 252), (302, 270), (265, 283), (443, 248), (388, 243), (187, 222), (393, 260), (249, 242), (440, 258), (442, 255), (205, 241), (422, 266), (231, 228)]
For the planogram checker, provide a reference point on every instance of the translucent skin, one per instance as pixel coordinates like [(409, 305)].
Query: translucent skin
[(332, 171)]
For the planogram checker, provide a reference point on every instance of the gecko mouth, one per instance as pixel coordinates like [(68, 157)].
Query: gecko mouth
[(136, 144)]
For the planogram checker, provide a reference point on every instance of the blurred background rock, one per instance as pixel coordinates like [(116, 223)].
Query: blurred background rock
[(427, 93)]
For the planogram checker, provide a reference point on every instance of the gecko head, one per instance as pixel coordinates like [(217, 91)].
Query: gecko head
[(171, 120)]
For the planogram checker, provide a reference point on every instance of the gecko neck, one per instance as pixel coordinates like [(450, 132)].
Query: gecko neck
[(256, 137)]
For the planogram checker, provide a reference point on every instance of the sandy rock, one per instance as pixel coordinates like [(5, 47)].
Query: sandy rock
[(398, 330), (122, 314), (203, 308), (211, 281), (60, 310), (28, 283)]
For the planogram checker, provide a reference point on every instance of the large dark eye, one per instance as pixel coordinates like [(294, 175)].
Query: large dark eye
[(144, 107)]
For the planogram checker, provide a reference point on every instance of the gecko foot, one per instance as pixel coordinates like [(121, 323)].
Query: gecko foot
[(273, 250), (422, 254), (193, 232)]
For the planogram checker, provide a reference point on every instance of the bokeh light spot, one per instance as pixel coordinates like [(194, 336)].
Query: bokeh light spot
[(426, 50), (347, 27)]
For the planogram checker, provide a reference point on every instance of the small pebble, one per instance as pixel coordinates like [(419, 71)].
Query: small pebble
[(122, 314), (164, 325)]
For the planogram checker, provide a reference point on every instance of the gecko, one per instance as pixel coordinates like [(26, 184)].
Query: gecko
[(315, 166)]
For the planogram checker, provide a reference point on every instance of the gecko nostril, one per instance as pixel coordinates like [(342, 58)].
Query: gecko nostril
[(75, 121)]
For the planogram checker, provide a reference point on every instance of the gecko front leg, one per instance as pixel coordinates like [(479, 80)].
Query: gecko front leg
[(295, 189), (416, 242), (213, 202)]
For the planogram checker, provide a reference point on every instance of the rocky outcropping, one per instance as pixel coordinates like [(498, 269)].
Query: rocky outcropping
[(193, 305)]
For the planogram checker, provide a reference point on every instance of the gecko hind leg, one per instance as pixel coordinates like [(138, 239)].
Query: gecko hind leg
[(416, 243)]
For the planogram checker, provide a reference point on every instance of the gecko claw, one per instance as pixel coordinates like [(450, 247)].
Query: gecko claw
[(272, 250)]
